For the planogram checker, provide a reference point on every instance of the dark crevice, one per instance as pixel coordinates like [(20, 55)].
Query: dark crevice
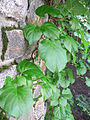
[(5, 43), (27, 11), (7, 66), (28, 4), (11, 18)]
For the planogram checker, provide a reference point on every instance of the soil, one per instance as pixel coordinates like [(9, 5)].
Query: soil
[(79, 87)]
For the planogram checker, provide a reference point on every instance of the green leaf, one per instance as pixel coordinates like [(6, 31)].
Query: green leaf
[(70, 75), (32, 33), (85, 43), (63, 101), (65, 78), (81, 68), (62, 81), (46, 9), (69, 115), (87, 81), (66, 93), (50, 30), (53, 102), (57, 113), (75, 24), (53, 54), (56, 93), (20, 80), (70, 44), (49, 90), (16, 100), (29, 81), (29, 69), (46, 91), (8, 80), (54, 97), (75, 7), (66, 113)]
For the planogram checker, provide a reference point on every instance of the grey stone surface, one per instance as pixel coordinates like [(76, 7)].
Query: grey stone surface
[(16, 45), (4, 22), (32, 18), (16, 9), (0, 45), (37, 91), (6, 62), (12, 71), (28, 53), (39, 110)]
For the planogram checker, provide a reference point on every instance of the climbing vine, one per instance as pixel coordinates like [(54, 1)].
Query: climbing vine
[(65, 36)]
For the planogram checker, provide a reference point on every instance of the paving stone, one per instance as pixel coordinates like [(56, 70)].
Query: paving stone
[(16, 45)]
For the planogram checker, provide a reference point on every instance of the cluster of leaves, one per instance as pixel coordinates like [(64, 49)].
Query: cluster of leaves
[(83, 102), (59, 48)]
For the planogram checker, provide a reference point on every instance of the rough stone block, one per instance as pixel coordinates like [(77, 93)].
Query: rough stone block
[(16, 9), (16, 44), (12, 71), (4, 22), (0, 45), (32, 18), (6, 62), (39, 110)]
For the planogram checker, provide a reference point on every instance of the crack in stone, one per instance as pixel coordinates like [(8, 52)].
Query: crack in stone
[(7, 66), (5, 43), (28, 4)]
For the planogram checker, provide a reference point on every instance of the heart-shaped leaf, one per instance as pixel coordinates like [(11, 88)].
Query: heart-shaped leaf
[(16, 100), (67, 94), (53, 54), (50, 30), (81, 68), (62, 81), (47, 9), (32, 33), (29, 69)]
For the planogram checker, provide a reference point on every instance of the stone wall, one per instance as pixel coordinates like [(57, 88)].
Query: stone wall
[(14, 15)]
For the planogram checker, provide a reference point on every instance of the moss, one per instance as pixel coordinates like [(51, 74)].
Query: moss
[(4, 67), (5, 43), (10, 28)]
